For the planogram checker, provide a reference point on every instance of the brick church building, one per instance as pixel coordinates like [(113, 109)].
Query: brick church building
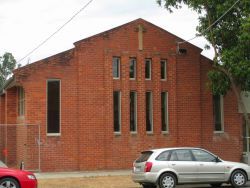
[(115, 94)]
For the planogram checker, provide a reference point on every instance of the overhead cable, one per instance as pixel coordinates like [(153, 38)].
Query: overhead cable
[(59, 29)]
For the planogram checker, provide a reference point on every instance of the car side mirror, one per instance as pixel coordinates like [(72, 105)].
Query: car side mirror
[(217, 159)]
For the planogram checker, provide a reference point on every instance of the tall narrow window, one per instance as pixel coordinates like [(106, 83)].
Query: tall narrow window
[(21, 101), (163, 69), (117, 111), (218, 113), (132, 68), (164, 112), (133, 113), (148, 65), (149, 112), (53, 106), (116, 67)]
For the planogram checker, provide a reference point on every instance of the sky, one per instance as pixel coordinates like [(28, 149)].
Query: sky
[(24, 24)]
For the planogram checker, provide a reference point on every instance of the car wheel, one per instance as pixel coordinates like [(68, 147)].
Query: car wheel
[(216, 184), (9, 183), (238, 178), (167, 180)]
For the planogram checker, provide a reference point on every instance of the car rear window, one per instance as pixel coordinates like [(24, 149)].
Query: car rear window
[(144, 156)]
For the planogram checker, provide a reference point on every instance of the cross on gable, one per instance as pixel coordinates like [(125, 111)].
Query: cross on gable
[(140, 29)]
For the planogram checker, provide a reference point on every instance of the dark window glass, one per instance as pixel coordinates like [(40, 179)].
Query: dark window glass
[(117, 111), (217, 113), (132, 111), (149, 112), (203, 156), (164, 156), (116, 67), (164, 111), (132, 68), (21, 101), (181, 155), (53, 106), (144, 156), (163, 69), (148, 68)]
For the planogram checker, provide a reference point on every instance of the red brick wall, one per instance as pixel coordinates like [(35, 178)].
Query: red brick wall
[(87, 140), (2, 109), (11, 114), (57, 152), (227, 145)]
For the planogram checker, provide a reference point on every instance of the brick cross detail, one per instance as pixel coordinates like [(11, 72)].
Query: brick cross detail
[(140, 29)]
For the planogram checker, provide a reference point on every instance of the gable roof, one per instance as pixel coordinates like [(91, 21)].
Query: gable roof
[(67, 52), (139, 20)]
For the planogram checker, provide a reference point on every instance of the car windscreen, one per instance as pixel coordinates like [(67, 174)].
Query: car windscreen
[(144, 156)]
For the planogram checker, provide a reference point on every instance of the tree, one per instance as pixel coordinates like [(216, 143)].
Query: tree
[(226, 25), (7, 65)]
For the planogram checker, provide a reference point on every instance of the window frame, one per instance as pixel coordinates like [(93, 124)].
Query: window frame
[(120, 113), (21, 102), (60, 106), (135, 112), (133, 59), (150, 69), (151, 112), (166, 114), (221, 115), (179, 150), (209, 154), (165, 69), (118, 67)]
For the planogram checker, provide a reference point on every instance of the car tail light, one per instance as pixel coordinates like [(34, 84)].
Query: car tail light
[(148, 166)]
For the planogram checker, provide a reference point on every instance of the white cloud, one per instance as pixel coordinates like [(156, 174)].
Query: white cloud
[(26, 23)]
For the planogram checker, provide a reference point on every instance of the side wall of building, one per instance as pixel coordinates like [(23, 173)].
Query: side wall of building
[(58, 153), (228, 144)]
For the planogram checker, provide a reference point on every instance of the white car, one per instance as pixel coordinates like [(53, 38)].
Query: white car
[(171, 166)]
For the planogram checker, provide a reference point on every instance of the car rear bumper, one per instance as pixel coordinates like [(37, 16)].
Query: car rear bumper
[(147, 177)]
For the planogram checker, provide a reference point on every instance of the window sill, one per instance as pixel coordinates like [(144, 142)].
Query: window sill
[(133, 132), (117, 133), (132, 79), (22, 117), (150, 132), (163, 80), (218, 132), (53, 134), (165, 132), (116, 78)]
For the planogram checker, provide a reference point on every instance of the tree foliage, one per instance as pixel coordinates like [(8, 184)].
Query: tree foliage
[(7, 65), (226, 25), (229, 36)]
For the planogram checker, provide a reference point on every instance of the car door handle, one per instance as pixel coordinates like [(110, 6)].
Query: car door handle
[(201, 164), (173, 164)]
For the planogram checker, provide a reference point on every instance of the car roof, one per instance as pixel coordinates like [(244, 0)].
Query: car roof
[(170, 148)]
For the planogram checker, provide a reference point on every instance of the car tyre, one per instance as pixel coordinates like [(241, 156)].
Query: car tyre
[(215, 185), (9, 182), (238, 178), (149, 186), (167, 180)]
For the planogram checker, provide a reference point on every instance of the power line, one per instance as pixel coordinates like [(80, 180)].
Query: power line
[(210, 25), (59, 29)]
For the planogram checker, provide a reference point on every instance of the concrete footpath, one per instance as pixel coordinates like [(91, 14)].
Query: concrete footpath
[(56, 175), (82, 174)]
